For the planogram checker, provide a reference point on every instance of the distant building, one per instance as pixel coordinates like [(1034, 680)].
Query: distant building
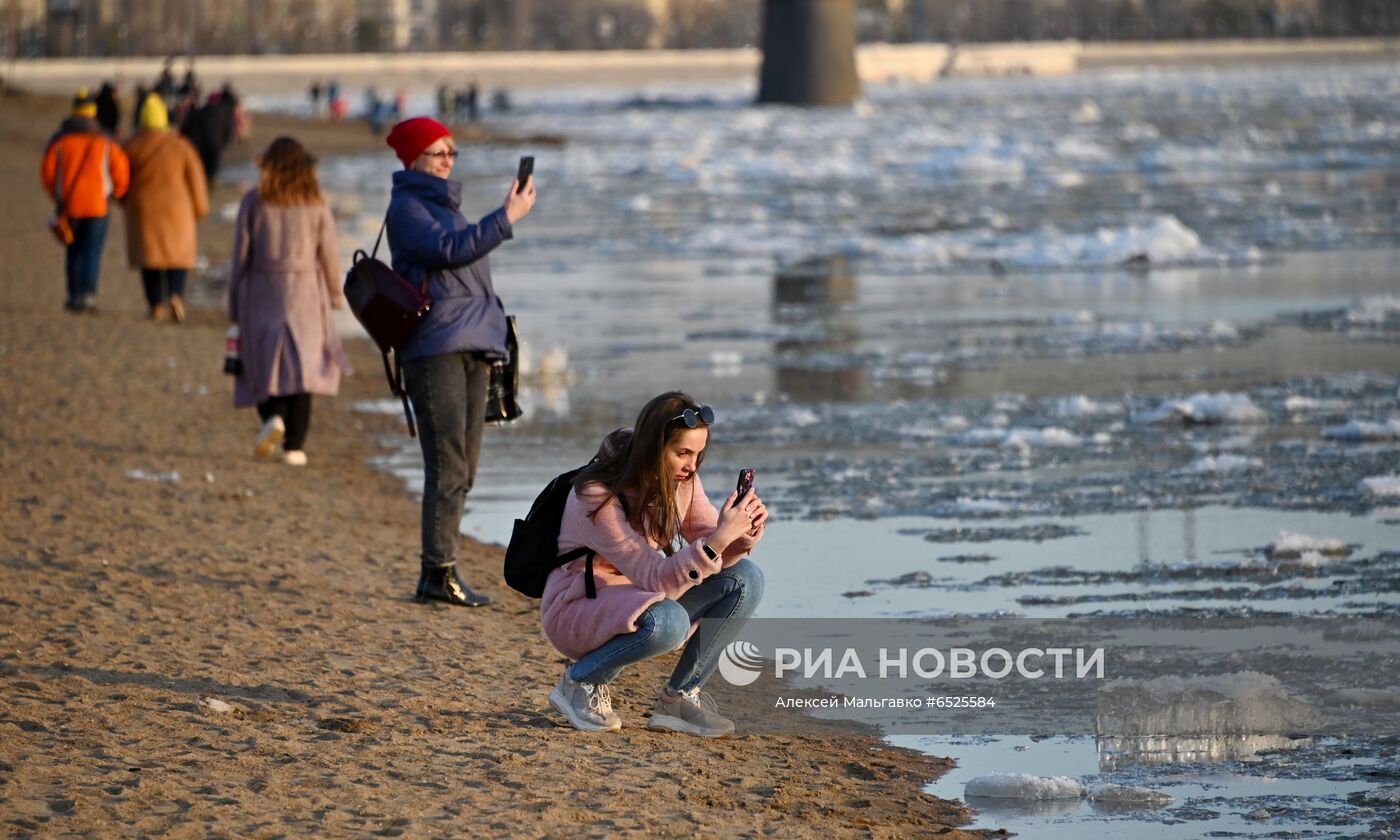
[(203, 27), (399, 25)]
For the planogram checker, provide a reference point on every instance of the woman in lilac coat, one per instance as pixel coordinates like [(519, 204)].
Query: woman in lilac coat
[(285, 281), (665, 560)]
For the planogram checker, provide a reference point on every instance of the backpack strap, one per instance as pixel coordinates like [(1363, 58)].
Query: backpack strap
[(590, 589), (395, 377), (372, 254)]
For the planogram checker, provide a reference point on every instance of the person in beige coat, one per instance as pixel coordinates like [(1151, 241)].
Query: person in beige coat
[(167, 195), (286, 278)]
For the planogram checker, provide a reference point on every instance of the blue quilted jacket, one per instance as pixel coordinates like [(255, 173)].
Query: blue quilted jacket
[(430, 238)]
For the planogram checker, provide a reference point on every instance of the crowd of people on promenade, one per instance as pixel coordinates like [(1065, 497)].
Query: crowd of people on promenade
[(454, 105), (639, 562), (159, 173)]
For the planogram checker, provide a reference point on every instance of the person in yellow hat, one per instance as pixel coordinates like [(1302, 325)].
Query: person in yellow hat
[(168, 194), (81, 168)]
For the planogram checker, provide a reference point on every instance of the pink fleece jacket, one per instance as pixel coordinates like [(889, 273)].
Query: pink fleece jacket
[(630, 572)]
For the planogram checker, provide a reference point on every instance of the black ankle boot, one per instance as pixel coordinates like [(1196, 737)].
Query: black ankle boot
[(442, 584)]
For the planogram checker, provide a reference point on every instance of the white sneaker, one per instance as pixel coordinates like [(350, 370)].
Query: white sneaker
[(693, 712), (588, 707), (294, 458), (271, 434)]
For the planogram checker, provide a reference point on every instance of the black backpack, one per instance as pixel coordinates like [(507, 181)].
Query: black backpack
[(533, 551)]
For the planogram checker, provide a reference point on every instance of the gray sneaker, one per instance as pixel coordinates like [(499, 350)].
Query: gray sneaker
[(587, 706), (693, 712)]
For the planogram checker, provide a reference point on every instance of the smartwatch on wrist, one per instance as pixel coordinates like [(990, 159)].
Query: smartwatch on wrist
[(709, 550)]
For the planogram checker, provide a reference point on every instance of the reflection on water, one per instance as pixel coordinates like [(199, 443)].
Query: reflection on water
[(821, 367), (989, 806), (1123, 753)]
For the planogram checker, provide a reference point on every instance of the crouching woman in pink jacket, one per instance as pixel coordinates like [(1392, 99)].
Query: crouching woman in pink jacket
[(668, 568)]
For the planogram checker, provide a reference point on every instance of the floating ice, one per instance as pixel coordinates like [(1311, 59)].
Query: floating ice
[(1388, 795), (1291, 544), (1241, 703), (1375, 311), (1050, 437), (1303, 405), (1088, 113), (1082, 406), (975, 507), (1223, 464), (1107, 793), (1164, 240), (1024, 786), (1220, 407), (1019, 438), (1364, 430), (1383, 486)]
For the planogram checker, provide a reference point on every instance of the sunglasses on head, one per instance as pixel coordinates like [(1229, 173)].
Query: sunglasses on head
[(692, 418)]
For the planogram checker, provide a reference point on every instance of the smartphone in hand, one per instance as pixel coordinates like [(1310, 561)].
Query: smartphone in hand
[(522, 174), (745, 484)]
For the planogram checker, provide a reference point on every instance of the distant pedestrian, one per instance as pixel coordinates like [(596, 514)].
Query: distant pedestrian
[(141, 93), (314, 93), (374, 110), (167, 196), (446, 103), (81, 168), (109, 110), (473, 102), (286, 278), (210, 129)]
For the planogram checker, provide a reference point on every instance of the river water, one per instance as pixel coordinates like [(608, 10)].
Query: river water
[(1026, 347)]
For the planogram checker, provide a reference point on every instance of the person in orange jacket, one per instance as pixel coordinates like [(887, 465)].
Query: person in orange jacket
[(82, 167)]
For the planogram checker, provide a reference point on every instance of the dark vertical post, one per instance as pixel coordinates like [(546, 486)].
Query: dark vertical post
[(809, 52)]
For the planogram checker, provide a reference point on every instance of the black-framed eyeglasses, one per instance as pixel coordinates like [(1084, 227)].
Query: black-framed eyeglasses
[(450, 153), (692, 418)]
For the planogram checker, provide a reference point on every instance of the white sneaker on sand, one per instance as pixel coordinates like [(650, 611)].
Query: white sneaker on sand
[(588, 707), (294, 458), (269, 437), (693, 712)]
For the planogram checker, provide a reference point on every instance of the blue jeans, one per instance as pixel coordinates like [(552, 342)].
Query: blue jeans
[(721, 603), (84, 257)]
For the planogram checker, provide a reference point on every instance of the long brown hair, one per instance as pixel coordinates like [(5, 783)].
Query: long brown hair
[(288, 174), (633, 463)]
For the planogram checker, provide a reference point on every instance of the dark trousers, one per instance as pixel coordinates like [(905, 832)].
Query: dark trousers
[(295, 411), (161, 283), (84, 258), (449, 398)]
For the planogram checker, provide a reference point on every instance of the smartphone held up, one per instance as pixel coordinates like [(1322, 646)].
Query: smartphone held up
[(524, 171)]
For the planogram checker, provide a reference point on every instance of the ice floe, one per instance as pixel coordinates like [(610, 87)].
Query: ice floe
[(1223, 464), (1382, 486), (1024, 786), (1204, 408)]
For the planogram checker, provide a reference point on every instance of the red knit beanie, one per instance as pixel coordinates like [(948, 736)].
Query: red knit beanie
[(410, 137)]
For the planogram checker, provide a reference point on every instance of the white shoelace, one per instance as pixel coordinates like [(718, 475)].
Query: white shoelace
[(700, 699), (599, 698)]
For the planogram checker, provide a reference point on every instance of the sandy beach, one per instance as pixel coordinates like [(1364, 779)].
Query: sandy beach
[(196, 644)]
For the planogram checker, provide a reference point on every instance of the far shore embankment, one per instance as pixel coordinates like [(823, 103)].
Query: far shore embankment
[(264, 74)]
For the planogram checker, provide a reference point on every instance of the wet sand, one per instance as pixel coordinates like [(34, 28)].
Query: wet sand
[(130, 604)]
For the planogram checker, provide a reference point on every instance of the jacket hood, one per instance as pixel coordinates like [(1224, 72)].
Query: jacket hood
[(427, 187)]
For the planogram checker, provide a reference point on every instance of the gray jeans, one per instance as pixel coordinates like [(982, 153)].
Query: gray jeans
[(449, 398)]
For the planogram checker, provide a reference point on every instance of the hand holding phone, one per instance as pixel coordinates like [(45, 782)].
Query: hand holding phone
[(745, 484), (520, 198)]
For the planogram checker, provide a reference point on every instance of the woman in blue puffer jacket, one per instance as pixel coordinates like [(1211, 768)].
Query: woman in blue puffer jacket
[(447, 359)]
